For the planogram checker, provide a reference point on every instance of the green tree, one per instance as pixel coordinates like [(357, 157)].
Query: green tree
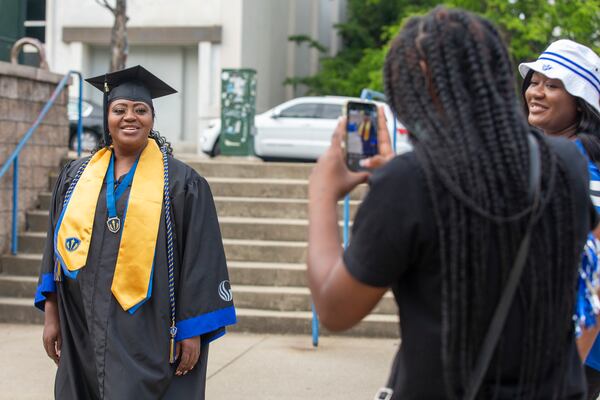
[(364, 34), (528, 26)]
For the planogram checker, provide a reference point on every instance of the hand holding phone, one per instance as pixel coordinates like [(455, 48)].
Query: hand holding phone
[(361, 133)]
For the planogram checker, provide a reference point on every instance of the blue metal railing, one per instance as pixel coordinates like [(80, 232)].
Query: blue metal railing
[(14, 157)]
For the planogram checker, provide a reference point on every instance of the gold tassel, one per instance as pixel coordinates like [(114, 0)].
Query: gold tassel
[(172, 332), (172, 350), (57, 272)]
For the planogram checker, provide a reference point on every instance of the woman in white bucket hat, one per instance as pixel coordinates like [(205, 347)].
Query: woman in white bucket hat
[(561, 90)]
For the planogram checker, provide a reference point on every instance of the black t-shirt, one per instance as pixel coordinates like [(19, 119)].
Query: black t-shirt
[(395, 243)]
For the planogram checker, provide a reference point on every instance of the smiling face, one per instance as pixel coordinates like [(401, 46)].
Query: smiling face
[(129, 124), (551, 108)]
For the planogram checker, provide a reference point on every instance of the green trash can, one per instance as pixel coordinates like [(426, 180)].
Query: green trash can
[(238, 107)]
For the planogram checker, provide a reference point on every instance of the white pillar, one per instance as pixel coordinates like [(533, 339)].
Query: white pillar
[(204, 83), (314, 33), (205, 100), (78, 62), (335, 40), (50, 34), (291, 49)]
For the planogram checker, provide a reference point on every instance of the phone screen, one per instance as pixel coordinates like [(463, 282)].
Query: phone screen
[(361, 128)]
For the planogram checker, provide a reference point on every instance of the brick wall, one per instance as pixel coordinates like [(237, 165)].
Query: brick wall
[(23, 93)]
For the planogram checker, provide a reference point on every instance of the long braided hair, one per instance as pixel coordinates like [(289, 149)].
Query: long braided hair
[(449, 78)]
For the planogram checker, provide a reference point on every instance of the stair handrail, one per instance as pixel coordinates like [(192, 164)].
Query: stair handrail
[(14, 156)]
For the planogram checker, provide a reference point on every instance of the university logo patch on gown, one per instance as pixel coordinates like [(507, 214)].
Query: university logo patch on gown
[(225, 291), (72, 243)]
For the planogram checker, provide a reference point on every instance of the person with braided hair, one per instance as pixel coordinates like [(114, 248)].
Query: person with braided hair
[(442, 225), (133, 280), (561, 93)]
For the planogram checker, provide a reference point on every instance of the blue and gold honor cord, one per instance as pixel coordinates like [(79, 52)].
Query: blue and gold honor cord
[(170, 263)]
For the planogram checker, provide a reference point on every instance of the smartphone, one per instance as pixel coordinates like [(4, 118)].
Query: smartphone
[(361, 128)]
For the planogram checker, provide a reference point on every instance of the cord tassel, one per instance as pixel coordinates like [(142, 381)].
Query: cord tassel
[(172, 332), (57, 272), (170, 261)]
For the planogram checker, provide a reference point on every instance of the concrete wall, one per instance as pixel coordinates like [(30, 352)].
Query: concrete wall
[(264, 44), (61, 13), (23, 93), (265, 28)]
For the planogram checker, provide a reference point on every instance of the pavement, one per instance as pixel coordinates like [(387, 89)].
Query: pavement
[(241, 366)]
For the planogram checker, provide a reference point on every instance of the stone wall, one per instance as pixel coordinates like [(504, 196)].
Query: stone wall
[(23, 93)]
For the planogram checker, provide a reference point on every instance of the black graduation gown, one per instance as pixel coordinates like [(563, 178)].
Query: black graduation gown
[(108, 353)]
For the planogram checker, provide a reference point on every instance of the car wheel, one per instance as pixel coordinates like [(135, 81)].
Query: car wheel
[(216, 148), (89, 141)]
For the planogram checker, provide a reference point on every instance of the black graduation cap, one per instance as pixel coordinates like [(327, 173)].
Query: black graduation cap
[(135, 83)]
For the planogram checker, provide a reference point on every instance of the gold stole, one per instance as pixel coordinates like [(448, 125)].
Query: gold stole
[(73, 235)]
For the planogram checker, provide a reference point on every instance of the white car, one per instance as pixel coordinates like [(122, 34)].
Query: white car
[(299, 129)]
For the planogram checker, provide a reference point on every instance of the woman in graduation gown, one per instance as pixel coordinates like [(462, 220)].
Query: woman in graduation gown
[(133, 280)]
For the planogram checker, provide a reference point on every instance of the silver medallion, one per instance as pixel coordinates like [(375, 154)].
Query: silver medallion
[(114, 224)]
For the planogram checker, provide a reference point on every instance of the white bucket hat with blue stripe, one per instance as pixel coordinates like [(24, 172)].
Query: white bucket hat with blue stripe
[(575, 65)]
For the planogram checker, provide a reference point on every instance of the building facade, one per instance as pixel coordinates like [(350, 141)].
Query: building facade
[(188, 42)]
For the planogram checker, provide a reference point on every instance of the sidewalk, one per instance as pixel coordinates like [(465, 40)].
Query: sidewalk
[(241, 366)]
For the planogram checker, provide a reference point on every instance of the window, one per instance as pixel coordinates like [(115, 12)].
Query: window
[(306, 110), (35, 27), (331, 111), (35, 20)]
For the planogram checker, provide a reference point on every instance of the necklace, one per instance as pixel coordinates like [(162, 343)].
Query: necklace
[(113, 194)]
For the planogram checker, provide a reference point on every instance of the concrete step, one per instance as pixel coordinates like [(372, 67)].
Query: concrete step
[(300, 322), (266, 274), (21, 264), (252, 169), (290, 299), (231, 227), (275, 229), (18, 286), (227, 207), (257, 187), (37, 220), (31, 242), (15, 310), (245, 296), (235, 167), (250, 207), (270, 208), (43, 201), (269, 188), (235, 249), (240, 272), (265, 251)]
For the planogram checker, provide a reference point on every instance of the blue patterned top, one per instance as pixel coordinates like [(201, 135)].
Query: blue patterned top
[(587, 305)]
